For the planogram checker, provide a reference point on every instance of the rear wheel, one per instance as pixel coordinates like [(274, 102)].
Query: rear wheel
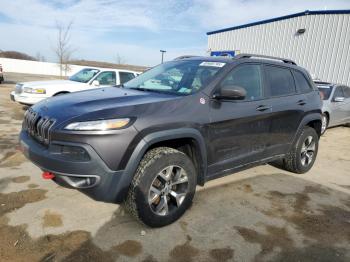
[(324, 123), (163, 187), (303, 153)]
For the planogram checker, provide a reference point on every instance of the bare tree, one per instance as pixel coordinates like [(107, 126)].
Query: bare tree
[(119, 59), (40, 57), (63, 48)]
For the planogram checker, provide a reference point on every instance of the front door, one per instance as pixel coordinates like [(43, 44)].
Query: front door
[(239, 130), (338, 107), (106, 79)]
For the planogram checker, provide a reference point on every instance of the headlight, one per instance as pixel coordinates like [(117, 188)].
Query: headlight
[(98, 125), (34, 90)]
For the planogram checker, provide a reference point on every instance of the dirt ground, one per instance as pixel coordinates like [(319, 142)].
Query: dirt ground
[(262, 214)]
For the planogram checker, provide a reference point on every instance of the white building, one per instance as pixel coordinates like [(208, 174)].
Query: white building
[(316, 40)]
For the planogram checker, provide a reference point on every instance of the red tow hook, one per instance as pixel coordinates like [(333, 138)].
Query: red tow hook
[(48, 175)]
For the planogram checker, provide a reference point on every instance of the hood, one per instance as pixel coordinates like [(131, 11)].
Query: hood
[(50, 83), (101, 103)]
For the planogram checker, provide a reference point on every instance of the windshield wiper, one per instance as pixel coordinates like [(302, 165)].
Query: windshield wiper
[(143, 89), (152, 90)]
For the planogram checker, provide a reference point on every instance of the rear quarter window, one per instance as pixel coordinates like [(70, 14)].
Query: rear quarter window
[(280, 80), (302, 84)]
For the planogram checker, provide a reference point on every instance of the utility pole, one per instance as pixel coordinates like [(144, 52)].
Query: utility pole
[(162, 51)]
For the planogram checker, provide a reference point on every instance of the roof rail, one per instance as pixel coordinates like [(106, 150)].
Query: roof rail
[(185, 56), (284, 60), (319, 82)]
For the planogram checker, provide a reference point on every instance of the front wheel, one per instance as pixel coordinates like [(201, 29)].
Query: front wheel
[(162, 188), (303, 154)]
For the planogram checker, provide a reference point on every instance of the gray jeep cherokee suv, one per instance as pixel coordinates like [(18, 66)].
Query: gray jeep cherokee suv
[(149, 143)]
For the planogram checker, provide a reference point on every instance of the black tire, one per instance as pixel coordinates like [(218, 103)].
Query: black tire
[(293, 161), (154, 161), (326, 119)]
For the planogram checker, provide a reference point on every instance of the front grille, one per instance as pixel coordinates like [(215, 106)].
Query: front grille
[(38, 126), (19, 88)]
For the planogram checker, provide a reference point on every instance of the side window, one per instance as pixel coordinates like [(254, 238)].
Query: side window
[(338, 92), (346, 91), (203, 76), (281, 81), (125, 77), (249, 77), (106, 78), (301, 82)]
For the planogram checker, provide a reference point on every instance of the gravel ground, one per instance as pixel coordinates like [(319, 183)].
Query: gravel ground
[(262, 214)]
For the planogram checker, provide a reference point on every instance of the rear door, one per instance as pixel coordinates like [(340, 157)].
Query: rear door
[(288, 107), (239, 129)]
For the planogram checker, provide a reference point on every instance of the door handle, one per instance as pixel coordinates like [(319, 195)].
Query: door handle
[(263, 108), (301, 102)]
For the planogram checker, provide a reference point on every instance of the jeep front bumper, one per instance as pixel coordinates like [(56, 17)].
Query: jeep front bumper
[(76, 165)]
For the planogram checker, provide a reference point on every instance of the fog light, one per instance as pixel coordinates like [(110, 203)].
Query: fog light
[(75, 153)]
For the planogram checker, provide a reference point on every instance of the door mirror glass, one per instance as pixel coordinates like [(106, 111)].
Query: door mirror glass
[(231, 92), (339, 99), (95, 83)]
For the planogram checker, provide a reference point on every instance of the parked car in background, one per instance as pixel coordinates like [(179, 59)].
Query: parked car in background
[(29, 93), (1, 74), (336, 104)]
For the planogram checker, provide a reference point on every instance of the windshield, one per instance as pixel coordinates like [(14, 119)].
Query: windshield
[(325, 91), (84, 75), (176, 77)]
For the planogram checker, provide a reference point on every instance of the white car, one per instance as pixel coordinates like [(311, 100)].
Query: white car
[(29, 93)]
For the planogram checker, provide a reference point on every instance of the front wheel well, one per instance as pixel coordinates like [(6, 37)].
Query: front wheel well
[(61, 93), (191, 148), (327, 114)]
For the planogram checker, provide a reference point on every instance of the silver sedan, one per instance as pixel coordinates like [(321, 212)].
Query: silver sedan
[(336, 104)]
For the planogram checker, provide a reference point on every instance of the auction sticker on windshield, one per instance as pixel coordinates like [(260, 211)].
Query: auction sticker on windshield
[(213, 64)]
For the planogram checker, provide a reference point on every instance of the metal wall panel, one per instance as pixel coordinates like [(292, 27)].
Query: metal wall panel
[(324, 49)]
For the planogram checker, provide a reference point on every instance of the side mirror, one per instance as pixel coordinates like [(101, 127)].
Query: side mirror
[(95, 83), (339, 99), (231, 92)]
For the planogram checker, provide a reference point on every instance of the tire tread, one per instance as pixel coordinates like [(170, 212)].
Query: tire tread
[(150, 157), (290, 160)]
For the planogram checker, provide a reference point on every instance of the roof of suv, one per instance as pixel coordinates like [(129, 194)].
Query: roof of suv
[(246, 57)]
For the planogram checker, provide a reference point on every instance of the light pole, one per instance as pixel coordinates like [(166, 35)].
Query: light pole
[(162, 51)]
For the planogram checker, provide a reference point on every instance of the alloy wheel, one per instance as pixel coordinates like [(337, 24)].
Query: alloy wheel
[(307, 151), (168, 190)]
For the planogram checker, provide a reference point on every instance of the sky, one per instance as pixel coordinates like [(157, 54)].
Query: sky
[(134, 30)]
